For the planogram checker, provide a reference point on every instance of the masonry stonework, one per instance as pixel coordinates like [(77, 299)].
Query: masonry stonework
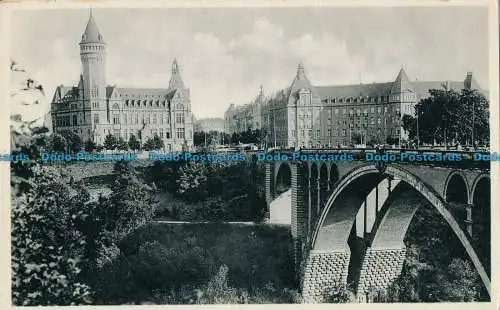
[(380, 268), (324, 272), (299, 211)]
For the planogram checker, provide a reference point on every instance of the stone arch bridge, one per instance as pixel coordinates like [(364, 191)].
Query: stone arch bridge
[(329, 202)]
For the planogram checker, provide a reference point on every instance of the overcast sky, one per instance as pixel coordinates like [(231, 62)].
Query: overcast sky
[(226, 54)]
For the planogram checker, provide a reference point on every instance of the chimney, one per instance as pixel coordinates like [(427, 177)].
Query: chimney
[(447, 85), (468, 81)]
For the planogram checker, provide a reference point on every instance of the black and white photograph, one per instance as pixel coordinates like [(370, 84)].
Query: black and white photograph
[(194, 155)]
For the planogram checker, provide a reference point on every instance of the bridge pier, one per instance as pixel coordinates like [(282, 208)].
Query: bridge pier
[(380, 268), (300, 214), (269, 183), (324, 272)]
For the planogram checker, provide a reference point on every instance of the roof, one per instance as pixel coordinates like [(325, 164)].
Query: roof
[(383, 89), (357, 90), (91, 33), (65, 92)]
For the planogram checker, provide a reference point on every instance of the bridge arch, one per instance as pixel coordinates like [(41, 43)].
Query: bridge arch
[(323, 180), (456, 188), (334, 175), (481, 217), (283, 178), (358, 183)]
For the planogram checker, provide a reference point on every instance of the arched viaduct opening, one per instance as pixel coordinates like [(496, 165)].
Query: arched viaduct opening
[(481, 219), (332, 242), (283, 178)]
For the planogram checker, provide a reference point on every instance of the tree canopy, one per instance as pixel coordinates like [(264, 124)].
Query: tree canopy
[(450, 116)]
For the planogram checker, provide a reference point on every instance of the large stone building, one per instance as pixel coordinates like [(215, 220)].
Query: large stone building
[(245, 117), (305, 115), (94, 109), (209, 124)]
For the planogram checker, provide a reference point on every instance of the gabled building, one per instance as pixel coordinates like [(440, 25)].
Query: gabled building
[(94, 109), (343, 115)]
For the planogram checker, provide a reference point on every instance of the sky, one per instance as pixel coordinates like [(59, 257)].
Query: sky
[(225, 55)]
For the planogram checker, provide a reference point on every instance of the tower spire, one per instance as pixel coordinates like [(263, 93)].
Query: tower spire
[(175, 79), (92, 33), (300, 71)]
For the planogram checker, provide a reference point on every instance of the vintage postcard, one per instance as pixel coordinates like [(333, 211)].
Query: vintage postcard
[(210, 153)]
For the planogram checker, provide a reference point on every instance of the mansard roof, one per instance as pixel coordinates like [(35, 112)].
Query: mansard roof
[(357, 90), (147, 93), (421, 89)]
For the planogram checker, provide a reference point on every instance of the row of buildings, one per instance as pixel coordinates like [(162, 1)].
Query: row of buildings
[(93, 109), (305, 115)]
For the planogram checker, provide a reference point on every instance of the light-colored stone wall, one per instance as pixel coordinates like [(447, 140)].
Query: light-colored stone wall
[(324, 272)]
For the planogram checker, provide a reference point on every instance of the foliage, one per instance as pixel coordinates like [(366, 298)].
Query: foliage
[(110, 142), (133, 143), (211, 137), (437, 267), (256, 136), (193, 181), (121, 144), (154, 143), (339, 294), (182, 264), (73, 140), (47, 246), (90, 146), (57, 143), (446, 116), (131, 205)]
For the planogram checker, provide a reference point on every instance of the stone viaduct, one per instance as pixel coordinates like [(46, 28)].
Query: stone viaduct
[(328, 197)]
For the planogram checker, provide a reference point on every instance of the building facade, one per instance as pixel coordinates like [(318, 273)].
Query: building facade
[(309, 116), (209, 124), (94, 109), (246, 117)]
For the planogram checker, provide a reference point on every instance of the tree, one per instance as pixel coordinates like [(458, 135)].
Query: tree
[(110, 142), (193, 181), (154, 143), (121, 144), (133, 143), (157, 142), (130, 205), (74, 142), (57, 143), (47, 252), (90, 146)]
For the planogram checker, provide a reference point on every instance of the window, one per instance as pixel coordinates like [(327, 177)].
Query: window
[(161, 119), (154, 118), (96, 118), (179, 118), (116, 119), (318, 133), (372, 110), (180, 133), (310, 133), (167, 134), (329, 132), (344, 132), (379, 110), (75, 120), (336, 111)]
